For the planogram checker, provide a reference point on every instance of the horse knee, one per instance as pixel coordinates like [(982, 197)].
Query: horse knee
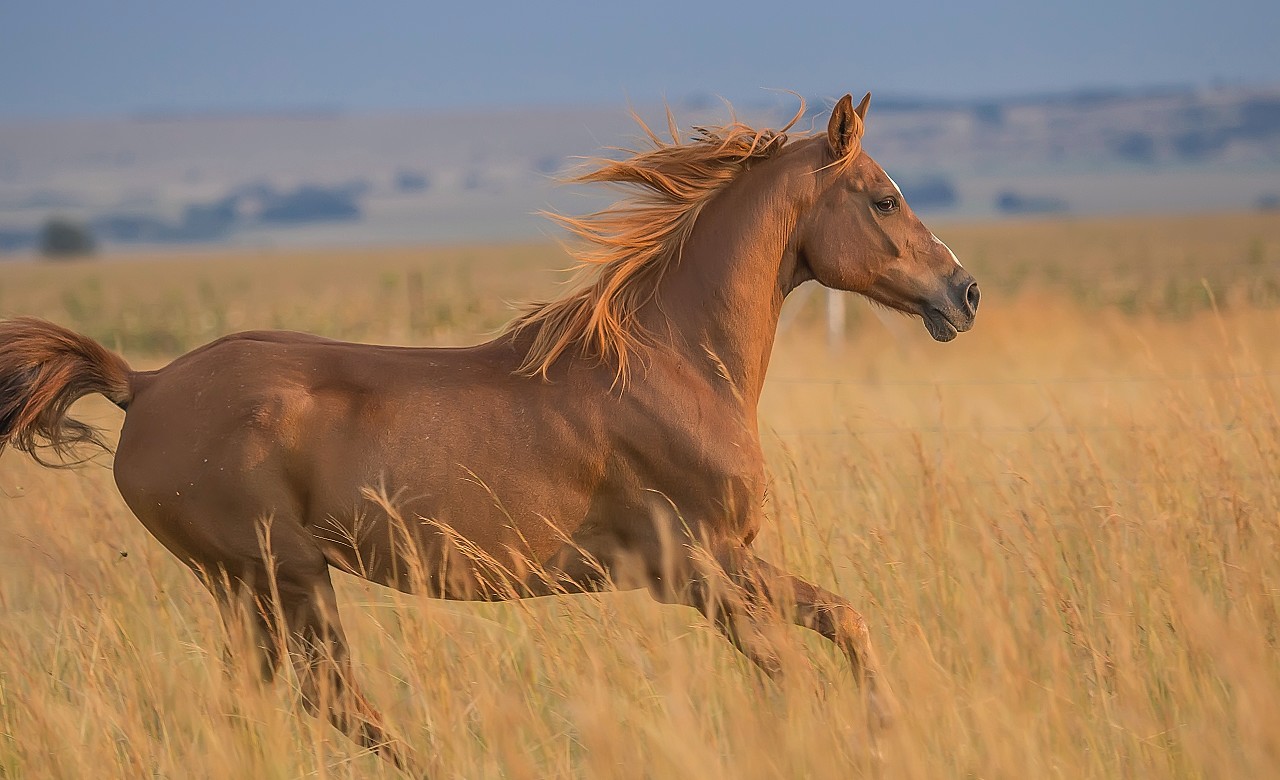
[(325, 691), (319, 681), (311, 689), (849, 630)]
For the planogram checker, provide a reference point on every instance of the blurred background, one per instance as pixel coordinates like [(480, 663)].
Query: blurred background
[(286, 123), (1061, 527)]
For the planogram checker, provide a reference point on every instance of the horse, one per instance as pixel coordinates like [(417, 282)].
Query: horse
[(607, 438)]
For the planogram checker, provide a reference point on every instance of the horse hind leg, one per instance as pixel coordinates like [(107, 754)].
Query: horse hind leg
[(248, 623), (284, 595), (318, 650), (301, 601), (243, 529)]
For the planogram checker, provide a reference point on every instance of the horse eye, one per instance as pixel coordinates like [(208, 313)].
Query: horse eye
[(887, 205)]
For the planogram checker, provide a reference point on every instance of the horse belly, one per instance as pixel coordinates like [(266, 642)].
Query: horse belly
[(445, 506)]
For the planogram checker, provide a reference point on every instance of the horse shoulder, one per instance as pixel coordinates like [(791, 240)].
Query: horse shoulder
[(698, 448)]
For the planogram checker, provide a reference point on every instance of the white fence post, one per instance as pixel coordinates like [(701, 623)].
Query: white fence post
[(835, 320)]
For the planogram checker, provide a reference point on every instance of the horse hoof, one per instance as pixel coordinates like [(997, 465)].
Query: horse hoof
[(882, 710)]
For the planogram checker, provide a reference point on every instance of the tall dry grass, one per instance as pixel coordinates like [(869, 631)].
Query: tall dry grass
[(1064, 529)]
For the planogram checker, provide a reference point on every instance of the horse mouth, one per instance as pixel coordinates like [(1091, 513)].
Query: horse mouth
[(939, 325)]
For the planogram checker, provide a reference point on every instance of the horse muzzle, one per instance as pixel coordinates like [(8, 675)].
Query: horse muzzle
[(954, 311)]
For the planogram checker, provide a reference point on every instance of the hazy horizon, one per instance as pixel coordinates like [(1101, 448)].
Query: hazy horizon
[(427, 122), (80, 59)]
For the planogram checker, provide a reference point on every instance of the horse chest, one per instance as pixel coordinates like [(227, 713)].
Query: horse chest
[(706, 470)]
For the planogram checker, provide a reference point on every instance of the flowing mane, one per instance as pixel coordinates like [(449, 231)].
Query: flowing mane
[(552, 483), (621, 252)]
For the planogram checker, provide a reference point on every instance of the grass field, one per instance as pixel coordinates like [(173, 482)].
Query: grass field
[(1064, 529)]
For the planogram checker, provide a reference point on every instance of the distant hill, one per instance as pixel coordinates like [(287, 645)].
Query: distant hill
[(322, 176)]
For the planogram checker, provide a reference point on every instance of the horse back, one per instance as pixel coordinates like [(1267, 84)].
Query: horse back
[(337, 437)]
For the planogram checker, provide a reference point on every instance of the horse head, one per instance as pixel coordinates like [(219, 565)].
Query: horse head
[(861, 235)]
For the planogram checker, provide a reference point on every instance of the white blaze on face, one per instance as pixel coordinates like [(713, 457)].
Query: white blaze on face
[(935, 238), (953, 254)]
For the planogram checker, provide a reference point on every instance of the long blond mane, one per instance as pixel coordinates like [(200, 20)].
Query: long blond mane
[(622, 252)]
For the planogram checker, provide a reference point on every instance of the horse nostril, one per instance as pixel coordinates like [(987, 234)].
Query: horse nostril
[(972, 296)]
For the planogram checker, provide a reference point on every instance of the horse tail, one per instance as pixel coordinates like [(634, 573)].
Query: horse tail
[(44, 368)]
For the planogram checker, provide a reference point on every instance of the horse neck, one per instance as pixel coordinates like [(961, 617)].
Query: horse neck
[(719, 305)]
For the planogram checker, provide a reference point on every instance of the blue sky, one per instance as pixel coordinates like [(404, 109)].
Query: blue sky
[(101, 57)]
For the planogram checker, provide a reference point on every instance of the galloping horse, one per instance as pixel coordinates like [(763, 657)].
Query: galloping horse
[(607, 439)]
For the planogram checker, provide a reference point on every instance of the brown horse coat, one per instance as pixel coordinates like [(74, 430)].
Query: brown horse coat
[(608, 439)]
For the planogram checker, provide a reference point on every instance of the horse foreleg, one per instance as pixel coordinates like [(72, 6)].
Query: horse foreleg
[(736, 613), (747, 598)]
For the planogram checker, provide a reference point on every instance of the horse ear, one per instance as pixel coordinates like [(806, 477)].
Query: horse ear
[(844, 131), (861, 110)]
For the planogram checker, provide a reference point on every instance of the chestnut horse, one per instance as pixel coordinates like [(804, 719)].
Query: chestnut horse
[(607, 439)]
